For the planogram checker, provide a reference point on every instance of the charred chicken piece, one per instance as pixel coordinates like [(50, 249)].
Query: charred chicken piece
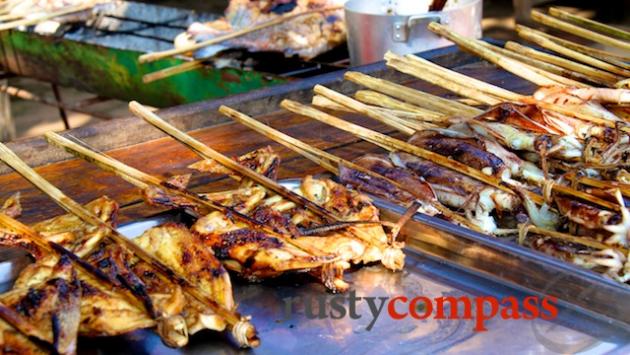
[(263, 161), (184, 252), (105, 311), (285, 217), (51, 308), (255, 255), (72, 233)]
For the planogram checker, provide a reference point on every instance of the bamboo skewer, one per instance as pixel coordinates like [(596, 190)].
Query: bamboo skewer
[(588, 23), (515, 67), (608, 78), (463, 79), (235, 321), (580, 112), (376, 98), (143, 181), (428, 75), (567, 52), (578, 31), (174, 70), (406, 116), (574, 79), (151, 57), (390, 120), (617, 59), (329, 161), (412, 96)]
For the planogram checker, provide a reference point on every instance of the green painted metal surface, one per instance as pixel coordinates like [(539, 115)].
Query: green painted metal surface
[(116, 73)]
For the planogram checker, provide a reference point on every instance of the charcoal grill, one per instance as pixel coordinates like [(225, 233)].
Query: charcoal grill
[(100, 56)]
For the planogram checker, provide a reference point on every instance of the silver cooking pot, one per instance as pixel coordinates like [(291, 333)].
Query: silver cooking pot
[(376, 26)]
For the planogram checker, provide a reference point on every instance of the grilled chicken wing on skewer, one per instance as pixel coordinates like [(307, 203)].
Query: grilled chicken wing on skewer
[(104, 312)]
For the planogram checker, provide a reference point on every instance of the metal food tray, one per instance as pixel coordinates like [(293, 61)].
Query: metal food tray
[(442, 260)]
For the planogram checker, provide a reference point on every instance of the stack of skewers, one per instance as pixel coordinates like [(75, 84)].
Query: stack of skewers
[(547, 169)]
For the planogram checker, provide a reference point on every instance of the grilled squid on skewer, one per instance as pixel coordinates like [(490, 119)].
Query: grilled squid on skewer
[(459, 191), (465, 150), (416, 188), (515, 166), (581, 95), (610, 262), (561, 147)]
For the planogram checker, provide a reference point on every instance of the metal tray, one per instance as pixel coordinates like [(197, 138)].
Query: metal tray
[(511, 264), (442, 260)]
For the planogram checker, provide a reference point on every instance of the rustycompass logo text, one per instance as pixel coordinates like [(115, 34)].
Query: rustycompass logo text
[(480, 309)]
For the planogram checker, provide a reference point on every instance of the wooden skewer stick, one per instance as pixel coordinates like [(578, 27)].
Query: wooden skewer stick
[(578, 31), (171, 71), (464, 79), (515, 67), (390, 120), (588, 23), (569, 53), (574, 79), (329, 161), (430, 76), (44, 17), (430, 116), (235, 321), (608, 78), (613, 58), (143, 181), (376, 98), (151, 57), (412, 96)]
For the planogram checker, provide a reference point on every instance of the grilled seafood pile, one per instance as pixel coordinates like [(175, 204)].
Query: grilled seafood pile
[(306, 36), (298, 239), (530, 150), (60, 302)]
